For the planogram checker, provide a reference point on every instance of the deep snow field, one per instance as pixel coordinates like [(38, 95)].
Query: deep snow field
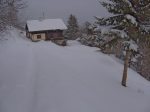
[(44, 77)]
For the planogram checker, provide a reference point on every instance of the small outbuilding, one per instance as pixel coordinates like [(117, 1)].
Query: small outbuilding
[(47, 29)]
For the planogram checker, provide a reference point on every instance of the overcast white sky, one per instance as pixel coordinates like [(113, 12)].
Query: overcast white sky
[(83, 9)]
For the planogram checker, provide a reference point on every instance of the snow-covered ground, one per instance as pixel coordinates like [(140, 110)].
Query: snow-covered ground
[(44, 77)]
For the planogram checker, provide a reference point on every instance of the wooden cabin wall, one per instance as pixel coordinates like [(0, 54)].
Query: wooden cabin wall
[(45, 35)]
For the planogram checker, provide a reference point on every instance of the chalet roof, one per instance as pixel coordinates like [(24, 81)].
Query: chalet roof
[(46, 24)]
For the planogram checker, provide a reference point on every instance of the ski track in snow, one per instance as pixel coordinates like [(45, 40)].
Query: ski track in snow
[(44, 77)]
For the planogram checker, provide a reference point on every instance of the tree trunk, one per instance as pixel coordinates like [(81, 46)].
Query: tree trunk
[(118, 49), (126, 63)]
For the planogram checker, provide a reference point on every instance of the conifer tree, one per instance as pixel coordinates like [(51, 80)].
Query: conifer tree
[(73, 28), (129, 18)]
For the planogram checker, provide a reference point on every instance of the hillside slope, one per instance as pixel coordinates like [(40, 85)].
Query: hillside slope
[(44, 77)]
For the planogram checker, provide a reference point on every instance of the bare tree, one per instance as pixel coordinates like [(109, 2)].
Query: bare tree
[(3, 15), (9, 10), (14, 6)]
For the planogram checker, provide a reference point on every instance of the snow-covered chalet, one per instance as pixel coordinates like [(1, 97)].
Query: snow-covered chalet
[(47, 29)]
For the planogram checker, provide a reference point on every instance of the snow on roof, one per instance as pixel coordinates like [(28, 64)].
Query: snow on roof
[(46, 24)]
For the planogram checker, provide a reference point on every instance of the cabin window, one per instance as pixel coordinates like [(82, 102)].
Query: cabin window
[(38, 36)]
